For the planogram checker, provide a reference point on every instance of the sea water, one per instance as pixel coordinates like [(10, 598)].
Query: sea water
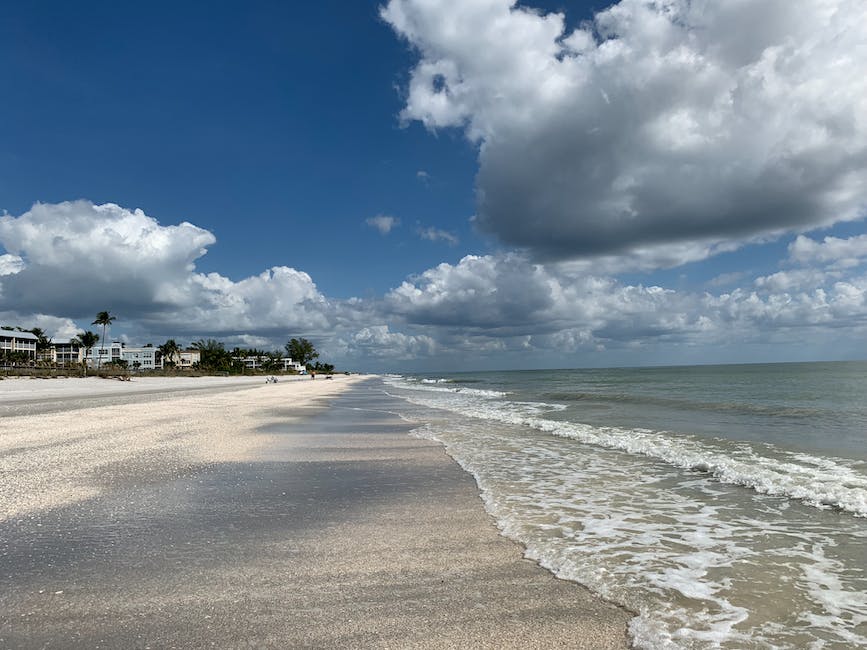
[(725, 505)]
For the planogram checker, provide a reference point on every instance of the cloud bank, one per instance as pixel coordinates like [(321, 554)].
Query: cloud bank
[(64, 262), (76, 258), (660, 122)]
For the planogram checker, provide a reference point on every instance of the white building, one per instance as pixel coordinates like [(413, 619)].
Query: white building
[(288, 364), (13, 341), (140, 358), (256, 363), (183, 359), (136, 358), (66, 353)]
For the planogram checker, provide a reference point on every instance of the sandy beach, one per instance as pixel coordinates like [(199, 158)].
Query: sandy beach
[(230, 513)]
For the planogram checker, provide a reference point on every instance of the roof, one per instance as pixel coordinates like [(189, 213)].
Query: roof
[(18, 335)]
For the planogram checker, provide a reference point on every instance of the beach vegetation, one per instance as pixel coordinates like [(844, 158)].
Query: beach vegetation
[(14, 357), (213, 355), (43, 342), (214, 358), (324, 368), (168, 351), (105, 319), (301, 350), (117, 364), (86, 340)]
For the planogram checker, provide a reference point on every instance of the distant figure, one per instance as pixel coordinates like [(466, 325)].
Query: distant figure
[(312, 375)]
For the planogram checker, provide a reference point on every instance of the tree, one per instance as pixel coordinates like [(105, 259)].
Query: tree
[(43, 343), (105, 319), (121, 364), (86, 340), (301, 350), (214, 356), (270, 361), (168, 350)]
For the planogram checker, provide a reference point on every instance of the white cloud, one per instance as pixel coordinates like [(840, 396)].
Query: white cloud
[(497, 307), (507, 296), (79, 258), (55, 235), (378, 341), (831, 250), (435, 234), (10, 264), (661, 121), (56, 328), (383, 223), (509, 303)]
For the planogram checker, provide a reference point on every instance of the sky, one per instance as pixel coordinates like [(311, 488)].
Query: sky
[(435, 186)]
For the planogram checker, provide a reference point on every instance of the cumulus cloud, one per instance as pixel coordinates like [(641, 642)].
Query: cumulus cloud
[(379, 342), (383, 223), (76, 255), (436, 234), (508, 296), (506, 302), (659, 121), (57, 328), (10, 264), (497, 294), (68, 261), (839, 252), (73, 259)]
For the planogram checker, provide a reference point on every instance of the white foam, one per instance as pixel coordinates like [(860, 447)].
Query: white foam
[(818, 482), (681, 550), (842, 609)]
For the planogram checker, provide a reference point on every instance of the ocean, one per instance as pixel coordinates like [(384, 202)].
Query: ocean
[(726, 506)]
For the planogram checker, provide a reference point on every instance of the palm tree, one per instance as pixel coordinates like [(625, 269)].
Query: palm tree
[(168, 350), (103, 318), (86, 340), (43, 343)]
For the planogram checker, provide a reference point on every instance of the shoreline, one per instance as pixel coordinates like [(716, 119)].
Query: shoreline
[(315, 519)]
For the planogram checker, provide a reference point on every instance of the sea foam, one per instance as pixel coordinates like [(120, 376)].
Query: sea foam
[(816, 481)]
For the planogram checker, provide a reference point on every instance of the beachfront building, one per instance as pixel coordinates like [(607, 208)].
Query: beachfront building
[(17, 344), (140, 358), (102, 354), (183, 359), (258, 362), (136, 358), (252, 363), (66, 353), (288, 364)]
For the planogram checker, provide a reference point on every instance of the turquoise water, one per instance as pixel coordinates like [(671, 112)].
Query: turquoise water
[(725, 505)]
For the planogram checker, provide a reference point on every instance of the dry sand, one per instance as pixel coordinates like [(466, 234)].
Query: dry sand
[(248, 515), (170, 424)]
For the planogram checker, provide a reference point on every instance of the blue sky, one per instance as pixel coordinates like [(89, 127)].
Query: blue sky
[(607, 185), (274, 125)]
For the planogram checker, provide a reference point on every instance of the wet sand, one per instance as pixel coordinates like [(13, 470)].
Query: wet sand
[(286, 515)]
